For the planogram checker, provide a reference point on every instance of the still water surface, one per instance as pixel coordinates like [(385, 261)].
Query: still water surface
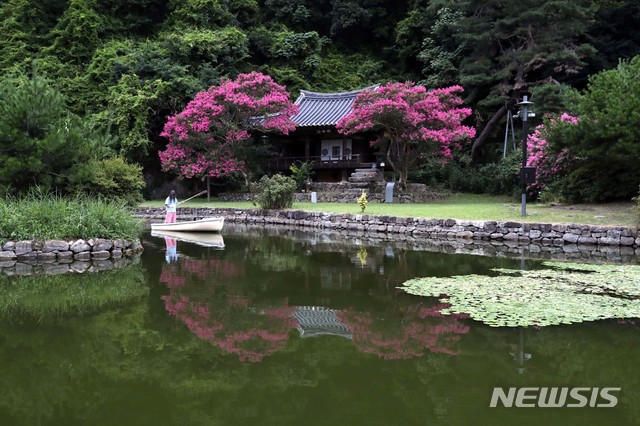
[(288, 330)]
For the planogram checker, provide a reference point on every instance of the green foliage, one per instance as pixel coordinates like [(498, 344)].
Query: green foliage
[(362, 201), (130, 104), (341, 72), (226, 46), (110, 178), (199, 13), (134, 62), (76, 34), (563, 293), (276, 192), (40, 139), (463, 175), (605, 141), (302, 173), (46, 216)]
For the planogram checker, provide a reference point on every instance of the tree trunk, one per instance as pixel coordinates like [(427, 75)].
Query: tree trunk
[(488, 128)]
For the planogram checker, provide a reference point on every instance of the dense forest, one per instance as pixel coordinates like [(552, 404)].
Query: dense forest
[(112, 71)]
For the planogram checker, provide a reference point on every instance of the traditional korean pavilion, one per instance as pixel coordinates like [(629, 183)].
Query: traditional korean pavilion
[(316, 139)]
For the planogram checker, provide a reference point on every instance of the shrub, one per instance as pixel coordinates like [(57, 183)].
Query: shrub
[(497, 178), (362, 201), (301, 173), (276, 192), (111, 178), (604, 141)]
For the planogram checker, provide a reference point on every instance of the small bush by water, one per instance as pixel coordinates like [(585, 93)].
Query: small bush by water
[(276, 192), (46, 216)]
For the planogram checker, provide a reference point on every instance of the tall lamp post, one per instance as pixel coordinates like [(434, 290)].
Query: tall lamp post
[(527, 174)]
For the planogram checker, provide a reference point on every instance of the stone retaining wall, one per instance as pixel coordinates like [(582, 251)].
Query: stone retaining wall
[(509, 249), (66, 251), (337, 196), (517, 232)]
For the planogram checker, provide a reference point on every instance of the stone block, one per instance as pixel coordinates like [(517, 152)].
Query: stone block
[(54, 246), (48, 257), (31, 256), (465, 235), (80, 246), (609, 241), (100, 254), (587, 240), (535, 234), (83, 255), (22, 247), (627, 241), (7, 255)]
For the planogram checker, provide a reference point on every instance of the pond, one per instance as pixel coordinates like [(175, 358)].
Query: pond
[(284, 327)]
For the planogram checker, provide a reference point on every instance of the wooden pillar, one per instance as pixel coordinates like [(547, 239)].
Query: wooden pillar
[(344, 147), (307, 147)]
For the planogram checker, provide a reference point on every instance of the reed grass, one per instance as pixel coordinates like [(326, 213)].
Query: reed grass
[(39, 215)]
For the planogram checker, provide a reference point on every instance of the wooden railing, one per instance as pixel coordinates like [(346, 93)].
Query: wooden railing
[(319, 162)]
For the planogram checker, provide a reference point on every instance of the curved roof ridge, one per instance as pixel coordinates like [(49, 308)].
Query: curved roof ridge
[(308, 93), (324, 109)]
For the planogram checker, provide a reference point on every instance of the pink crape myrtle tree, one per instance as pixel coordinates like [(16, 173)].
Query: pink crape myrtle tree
[(550, 163), (208, 138), (415, 124)]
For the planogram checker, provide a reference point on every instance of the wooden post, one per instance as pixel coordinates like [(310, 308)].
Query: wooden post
[(344, 147), (307, 147)]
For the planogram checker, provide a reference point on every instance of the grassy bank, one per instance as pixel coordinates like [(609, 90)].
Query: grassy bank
[(40, 216), (468, 207)]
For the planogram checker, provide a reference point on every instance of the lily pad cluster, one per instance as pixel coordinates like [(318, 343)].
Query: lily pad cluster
[(562, 293)]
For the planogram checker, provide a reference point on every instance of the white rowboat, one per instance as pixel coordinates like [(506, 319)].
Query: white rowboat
[(204, 239), (208, 224)]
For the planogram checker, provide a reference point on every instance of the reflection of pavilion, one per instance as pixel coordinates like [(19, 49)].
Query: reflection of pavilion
[(316, 320)]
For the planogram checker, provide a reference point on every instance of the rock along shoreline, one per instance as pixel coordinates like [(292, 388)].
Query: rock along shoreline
[(555, 234)]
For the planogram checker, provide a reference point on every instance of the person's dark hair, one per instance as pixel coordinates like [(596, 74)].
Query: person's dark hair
[(172, 196)]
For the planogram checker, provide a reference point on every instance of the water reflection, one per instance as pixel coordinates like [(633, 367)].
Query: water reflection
[(172, 249), (101, 349), (227, 298)]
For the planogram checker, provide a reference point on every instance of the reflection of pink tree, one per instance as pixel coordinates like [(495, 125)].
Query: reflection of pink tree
[(236, 328), (176, 275), (416, 330), (219, 313)]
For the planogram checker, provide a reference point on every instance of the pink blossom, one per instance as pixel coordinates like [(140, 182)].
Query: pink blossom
[(416, 122), (204, 137), (548, 164)]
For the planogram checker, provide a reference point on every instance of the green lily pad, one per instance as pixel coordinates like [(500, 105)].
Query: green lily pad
[(563, 293)]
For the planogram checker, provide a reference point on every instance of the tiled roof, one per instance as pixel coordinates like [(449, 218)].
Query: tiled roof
[(324, 109)]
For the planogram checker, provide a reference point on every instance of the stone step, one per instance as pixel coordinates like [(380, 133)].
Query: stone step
[(356, 191), (367, 173), (359, 185), (368, 170), (356, 179)]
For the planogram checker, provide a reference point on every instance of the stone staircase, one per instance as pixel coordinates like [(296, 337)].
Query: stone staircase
[(363, 180)]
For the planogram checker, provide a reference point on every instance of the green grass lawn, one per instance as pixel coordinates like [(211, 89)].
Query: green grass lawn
[(468, 207)]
